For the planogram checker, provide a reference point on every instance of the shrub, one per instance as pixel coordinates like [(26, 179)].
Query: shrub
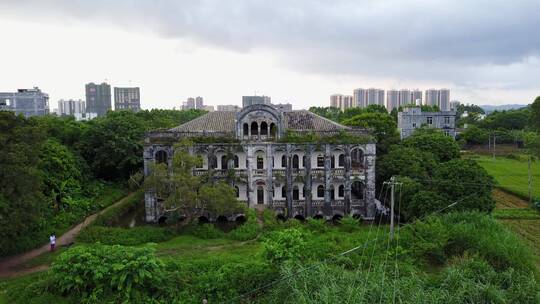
[(124, 236), (246, 231), (287, 244), (316, 225), (121, 274), (205, 231), (349, 224)]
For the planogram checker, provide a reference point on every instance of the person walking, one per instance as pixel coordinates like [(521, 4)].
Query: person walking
[(52, 239)]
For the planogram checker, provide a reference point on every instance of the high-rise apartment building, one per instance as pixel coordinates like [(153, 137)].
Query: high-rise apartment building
[(29, 102), (374, 96), (392, 100), (251, 100), (405, 97), (199, 103), (432, 97), (444, 100), (195, 103), (98, 98), (440, 98), (341, 102), (359, 98), (127, 99), (71, 107), (416, 97)]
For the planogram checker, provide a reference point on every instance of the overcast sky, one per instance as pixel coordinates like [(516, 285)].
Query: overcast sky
[(298, 51)]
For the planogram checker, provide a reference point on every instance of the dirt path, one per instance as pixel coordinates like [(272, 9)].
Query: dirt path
[(8, 265)]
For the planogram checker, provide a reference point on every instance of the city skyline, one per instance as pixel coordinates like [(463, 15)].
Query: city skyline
[(223, 61)]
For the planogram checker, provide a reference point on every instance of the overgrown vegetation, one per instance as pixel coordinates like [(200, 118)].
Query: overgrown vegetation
[(55, 171)]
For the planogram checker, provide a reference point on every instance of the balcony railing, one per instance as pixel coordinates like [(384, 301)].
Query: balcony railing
[(298, 171), (279, 171), (259, 172), (317, 171), (338, 172), (278, 203), (338, 203), (357, 203), (298, 203), (317, 203)]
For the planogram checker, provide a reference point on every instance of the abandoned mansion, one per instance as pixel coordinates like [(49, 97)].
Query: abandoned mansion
[(295, 162)]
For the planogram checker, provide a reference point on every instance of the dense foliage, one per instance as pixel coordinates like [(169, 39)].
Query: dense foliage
[(187, 195), (54, 169)]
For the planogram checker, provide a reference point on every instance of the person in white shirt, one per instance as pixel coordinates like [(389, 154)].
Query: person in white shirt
[(52, 239)]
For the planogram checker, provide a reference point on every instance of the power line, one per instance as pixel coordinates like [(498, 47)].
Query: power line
[(339, 255)]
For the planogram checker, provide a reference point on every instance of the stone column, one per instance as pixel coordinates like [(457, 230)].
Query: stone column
[(288, 173), (347, 185), (327, 180), (269, 175), (308, 181), (149, 195), (369, 196), (248, 148)]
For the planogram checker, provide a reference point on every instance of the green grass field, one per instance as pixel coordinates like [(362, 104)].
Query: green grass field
[(512, 175)]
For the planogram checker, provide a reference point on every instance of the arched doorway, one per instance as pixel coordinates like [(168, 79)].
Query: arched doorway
[(260, 195), (295, 162), (357, 190), (161, 157), (224, 165)]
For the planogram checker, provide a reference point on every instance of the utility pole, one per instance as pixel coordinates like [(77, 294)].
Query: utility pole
[(530, 181)]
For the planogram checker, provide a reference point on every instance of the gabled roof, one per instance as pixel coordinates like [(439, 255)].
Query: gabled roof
[(224, 121)]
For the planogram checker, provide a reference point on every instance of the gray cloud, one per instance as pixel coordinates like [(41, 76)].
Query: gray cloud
[(466, 43)]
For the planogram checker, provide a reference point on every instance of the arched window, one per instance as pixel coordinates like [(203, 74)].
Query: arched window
[(264, 128), (320, 161), (161, 157), (284, 192), (332, 192), (284, 161), (236, 162), (212, 162), (341, 160), (341, 191), (200, 161), (357, 158), (332, 162), (254, 128), (320, 191), (295, 162), (295, 193), (273, 130), (224, 162), (303, 161), (237, 191), (246, 129), (260, 162)]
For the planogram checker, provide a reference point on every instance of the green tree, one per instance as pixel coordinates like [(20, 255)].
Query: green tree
[(112, 145), (383, 125), (186, 194), (22, 204), (475, 135), (405, 161), (285, 245), (535, 114), (465, 181), (61, 173), (443, 147), (508, 120), (424, 203)]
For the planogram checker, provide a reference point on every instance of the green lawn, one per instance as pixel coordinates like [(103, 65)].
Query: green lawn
[(512, 175)]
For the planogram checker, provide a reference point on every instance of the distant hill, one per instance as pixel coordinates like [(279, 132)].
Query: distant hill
[(490, 108)]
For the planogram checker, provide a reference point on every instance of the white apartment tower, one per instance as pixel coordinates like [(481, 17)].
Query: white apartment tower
[(341, 102), (359, 98), (392, 100)]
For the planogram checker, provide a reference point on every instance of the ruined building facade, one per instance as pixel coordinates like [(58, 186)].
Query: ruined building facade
[(323, 179)]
